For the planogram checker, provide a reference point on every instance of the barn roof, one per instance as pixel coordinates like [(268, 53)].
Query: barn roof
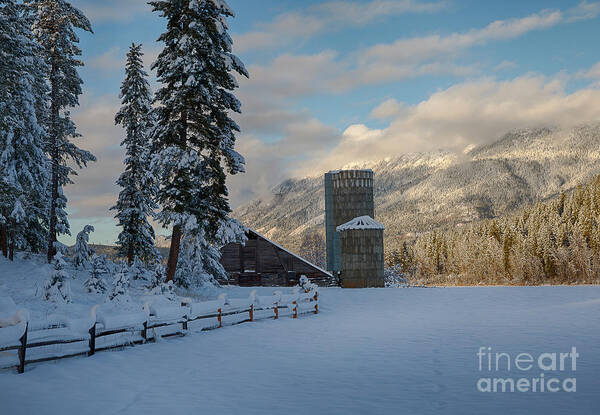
[(362, 222), (289, 252)]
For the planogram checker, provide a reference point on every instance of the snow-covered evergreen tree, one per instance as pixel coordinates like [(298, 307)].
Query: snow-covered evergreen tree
[(158, 285), (199, 263), (57, 287), (194, 137), (135, 201), (120, 288), (157, 276), (95, 283), (23, 163), (83, 252), (137, 269), (55, 25)]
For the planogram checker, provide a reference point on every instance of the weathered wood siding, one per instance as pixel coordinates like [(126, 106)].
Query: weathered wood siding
[(261, 262)]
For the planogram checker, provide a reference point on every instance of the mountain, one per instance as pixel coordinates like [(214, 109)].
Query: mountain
[(424, 191)]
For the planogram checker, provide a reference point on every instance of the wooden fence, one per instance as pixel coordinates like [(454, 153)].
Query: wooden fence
[(179, 318)]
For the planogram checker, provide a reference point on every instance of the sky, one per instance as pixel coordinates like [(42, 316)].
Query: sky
[(346, 82)]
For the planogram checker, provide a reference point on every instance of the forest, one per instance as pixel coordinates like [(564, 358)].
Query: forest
[(179, 141), (552, 242)]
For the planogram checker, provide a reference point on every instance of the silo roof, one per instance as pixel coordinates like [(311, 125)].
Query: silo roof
[(362, 222)]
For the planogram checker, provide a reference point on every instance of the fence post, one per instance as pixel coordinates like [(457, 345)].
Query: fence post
[(23, 350), (220, 317), (317, 302), (145, 331), (276, 309), (251, 312), (92, 340), (295, 309)]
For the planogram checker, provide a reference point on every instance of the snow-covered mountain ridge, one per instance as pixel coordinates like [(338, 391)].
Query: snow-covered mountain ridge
[(423, 191)]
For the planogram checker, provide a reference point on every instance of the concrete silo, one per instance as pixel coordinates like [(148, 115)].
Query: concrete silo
[(362, 253), (348, 194)]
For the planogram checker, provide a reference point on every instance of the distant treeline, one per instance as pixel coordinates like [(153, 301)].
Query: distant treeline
[(552, 242)]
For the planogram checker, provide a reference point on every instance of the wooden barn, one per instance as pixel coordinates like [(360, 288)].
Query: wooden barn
[(262, 262)]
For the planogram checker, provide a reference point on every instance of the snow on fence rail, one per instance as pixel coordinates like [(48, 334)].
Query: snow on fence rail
[(59, 337)]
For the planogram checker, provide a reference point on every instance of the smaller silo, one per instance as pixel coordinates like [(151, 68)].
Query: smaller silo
[(362, 253)]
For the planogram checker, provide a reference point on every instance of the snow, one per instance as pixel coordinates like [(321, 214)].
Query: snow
[(361, 222), (384, 351)]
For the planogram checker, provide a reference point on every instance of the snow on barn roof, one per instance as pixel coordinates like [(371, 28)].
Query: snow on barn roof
[(362, 222)]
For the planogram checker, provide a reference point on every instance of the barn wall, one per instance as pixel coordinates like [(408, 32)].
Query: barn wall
[(260, 262)]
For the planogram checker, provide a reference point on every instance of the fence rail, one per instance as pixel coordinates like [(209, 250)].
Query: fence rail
[(298, 304)]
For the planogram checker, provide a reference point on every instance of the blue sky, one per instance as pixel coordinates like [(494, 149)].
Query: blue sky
[(341, 82)]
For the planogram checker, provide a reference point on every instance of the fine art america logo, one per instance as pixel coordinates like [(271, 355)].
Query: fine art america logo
[(546, 372)]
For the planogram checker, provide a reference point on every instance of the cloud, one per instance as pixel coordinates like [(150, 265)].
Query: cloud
[(95, 191), (327, 16), (111, 60), (505, 65), (112, 10), (387, 109), (591, 73), (289, 75), (420, 49), (583, 11), (114, 58), (298, 139), (473, 112)]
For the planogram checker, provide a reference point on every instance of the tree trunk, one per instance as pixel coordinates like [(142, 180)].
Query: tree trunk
[(176, 237), (3, 240), (173, 252), (54, 160), (130, 254), (11, 251)]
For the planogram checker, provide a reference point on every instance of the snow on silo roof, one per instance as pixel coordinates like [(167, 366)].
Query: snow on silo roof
[(362, 222)]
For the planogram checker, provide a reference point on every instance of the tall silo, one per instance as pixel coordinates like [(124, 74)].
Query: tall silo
[(348, 194), (362, 253)]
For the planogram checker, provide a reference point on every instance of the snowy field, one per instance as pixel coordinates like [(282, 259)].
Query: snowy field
[(373, 351)]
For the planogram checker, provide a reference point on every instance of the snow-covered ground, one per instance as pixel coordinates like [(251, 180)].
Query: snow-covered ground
[(380, 351)]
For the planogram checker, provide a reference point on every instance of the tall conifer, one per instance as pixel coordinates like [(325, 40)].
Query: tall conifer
[(195, 136), (135, 202), (56, 22)]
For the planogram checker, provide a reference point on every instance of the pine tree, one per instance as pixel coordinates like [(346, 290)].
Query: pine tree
[(120, 289), (157, 276), (95, 283), (199, 263), (135, 202), (137, 269), (57, 288), (82, 250), (195, 136), (23, 164), (56, 22)]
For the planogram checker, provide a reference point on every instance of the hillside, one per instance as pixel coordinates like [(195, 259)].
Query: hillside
[(424, 191)]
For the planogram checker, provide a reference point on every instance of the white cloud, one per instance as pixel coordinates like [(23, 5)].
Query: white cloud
[(473, 112), (387, 109), (505, 65), (591, 73), (95, 191), (420, 49), (583, 11), (327, 72), (327, 16), (111, 60), (112, 10)]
